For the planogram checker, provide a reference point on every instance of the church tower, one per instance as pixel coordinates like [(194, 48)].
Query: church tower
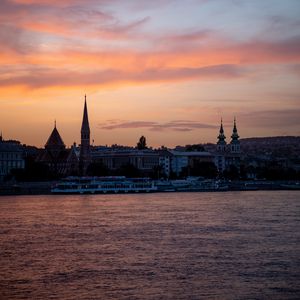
[(221, 144), (235, 143), (85, 152)]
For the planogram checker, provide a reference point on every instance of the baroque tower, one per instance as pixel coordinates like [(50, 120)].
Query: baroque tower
[(235, 143), (85, 151), (221, 144)]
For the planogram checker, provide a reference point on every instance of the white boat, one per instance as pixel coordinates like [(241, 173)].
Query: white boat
[(110, 184), (190, 184)]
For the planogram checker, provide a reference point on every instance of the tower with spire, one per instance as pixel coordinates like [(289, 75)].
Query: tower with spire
[(235, 143), (85, 151), (221, 144)]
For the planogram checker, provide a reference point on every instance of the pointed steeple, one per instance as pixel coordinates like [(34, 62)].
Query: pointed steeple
[(234, 135), (221, 136), (235, 143), (221, 144), (85, 120), (1, 138), (85, 152)]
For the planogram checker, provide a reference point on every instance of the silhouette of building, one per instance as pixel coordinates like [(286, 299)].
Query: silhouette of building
[(85, 151), (226, 155), (11, 157), (144, 160), (61, 161)]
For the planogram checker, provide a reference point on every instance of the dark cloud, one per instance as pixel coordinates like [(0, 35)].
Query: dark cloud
[(176, 125), (272, 118), (53, 77)]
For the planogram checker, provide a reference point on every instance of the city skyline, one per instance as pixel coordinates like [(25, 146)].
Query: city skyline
[(165, 70)]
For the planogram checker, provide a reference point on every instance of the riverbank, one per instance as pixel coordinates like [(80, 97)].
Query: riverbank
[(26, 188), (44, 188)]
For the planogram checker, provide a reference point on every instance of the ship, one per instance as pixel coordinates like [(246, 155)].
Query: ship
[(103, 185), (191, 184)]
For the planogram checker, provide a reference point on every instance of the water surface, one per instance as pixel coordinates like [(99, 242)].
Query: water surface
[(232, 245)]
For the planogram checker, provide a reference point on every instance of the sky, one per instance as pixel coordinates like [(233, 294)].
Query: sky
[(165, 69)]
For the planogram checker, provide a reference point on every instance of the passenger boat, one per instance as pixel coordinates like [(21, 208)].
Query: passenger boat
[(191, 184), (110, 184)]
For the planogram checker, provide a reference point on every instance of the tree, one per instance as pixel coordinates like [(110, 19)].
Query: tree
[(194, 147), (141, 143)]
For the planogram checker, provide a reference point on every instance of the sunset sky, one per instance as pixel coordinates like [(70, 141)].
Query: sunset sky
[(166, 69)]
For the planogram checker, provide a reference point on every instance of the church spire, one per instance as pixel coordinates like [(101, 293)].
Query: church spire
[(234, 135), (85, 120), (221, 144), (235, 143), (221, 132), (85, 141)]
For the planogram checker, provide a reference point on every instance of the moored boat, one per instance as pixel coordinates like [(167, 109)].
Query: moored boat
[(110, 184)]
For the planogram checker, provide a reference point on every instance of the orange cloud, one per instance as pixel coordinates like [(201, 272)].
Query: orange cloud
[(175, 125), (92, 68), (52, 77)]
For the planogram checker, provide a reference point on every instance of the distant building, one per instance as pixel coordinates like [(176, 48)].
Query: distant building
[(225, 155), (61, 161), (147, 160), (144, 160), (185, 159), (165, 160), (11, 157)]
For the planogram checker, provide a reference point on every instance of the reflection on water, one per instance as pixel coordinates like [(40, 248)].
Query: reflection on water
[(233, 245)]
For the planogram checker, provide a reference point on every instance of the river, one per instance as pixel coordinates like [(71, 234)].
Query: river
[(231, 245)]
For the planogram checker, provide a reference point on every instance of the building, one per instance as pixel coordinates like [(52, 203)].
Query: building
[(164, 160), (185, 159), (11, 157), (64, 161), (60, 160), (144, 160), (227, 155)]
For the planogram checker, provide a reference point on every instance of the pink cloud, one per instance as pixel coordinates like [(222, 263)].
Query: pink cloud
[(51, 77), (176, 125)]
